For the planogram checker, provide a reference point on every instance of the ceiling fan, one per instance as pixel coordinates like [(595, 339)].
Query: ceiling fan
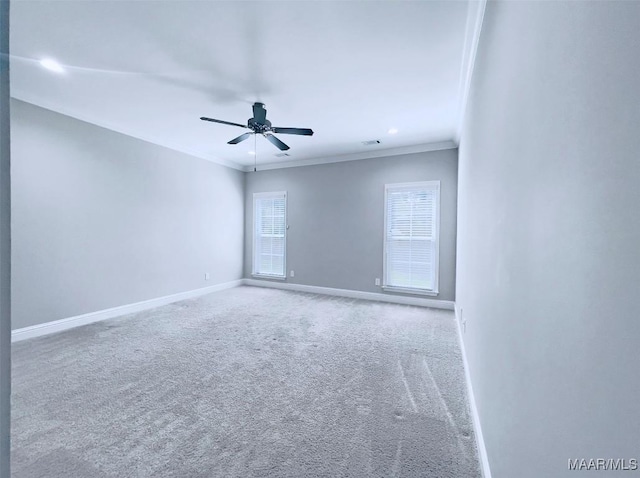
[(259, 124)]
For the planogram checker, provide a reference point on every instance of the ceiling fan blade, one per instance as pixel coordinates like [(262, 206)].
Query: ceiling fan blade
[(259, 113), (223, 122), (301, 131), (279, 144), (240, 138)]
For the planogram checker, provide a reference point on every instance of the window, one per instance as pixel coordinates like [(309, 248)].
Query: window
[(269, 238), (412, 217)]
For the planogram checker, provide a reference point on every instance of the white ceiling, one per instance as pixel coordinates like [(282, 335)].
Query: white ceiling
[(350, 70)]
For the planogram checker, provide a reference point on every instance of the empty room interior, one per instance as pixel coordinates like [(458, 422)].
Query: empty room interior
[(319, 239)]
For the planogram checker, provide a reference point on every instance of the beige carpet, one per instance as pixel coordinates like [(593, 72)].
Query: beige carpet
[(248, 382)]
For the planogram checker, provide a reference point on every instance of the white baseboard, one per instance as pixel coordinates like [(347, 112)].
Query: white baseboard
[(68, 323), (71, 322), (354, 294), (482, 450)]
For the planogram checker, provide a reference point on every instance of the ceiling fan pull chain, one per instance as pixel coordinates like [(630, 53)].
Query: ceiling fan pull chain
[(255, 156)]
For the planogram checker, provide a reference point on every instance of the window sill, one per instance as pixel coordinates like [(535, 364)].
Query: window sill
[(264, 276), (401, 290)]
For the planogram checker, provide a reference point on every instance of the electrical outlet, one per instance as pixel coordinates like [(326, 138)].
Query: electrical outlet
[(292, 274), (206, 276), (377, 281)]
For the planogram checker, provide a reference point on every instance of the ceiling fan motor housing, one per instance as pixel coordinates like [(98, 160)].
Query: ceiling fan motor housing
[(259, 127)]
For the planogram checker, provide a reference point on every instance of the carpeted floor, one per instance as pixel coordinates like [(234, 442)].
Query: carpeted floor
[(247, 382)]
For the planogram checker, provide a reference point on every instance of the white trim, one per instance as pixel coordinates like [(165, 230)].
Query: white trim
[(412, 185), (379, 153), (436, 281), (266, 276), (275, 195), (354, 294), (71, 322), (162, 142), (475, 17), (403, 290), (270, 194), (482, 450)]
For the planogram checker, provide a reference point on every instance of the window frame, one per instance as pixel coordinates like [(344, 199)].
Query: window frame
[(436, 279), (254, 273)]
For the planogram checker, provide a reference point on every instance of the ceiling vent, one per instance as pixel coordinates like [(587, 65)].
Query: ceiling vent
[(371, 143), (281, 155)]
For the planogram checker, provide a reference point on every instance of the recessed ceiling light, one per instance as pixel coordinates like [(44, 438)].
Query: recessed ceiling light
[(393, 131), (52, 65), (252, 153)]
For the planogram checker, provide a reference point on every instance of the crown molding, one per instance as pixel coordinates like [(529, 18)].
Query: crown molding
[(106, 125), (475, 17), (379, 153)]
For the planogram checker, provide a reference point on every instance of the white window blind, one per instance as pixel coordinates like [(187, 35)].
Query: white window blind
[(269, 233), (411, 236)]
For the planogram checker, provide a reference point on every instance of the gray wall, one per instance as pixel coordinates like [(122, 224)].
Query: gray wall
[(5, 245), (336, 217), (101, 219), (549, 234)]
